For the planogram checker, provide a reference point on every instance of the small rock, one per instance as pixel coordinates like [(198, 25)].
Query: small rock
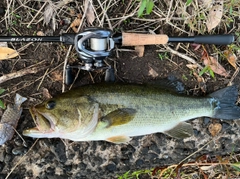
[(29, 173), (152, 156), (225, 126), (50, 170), (139, 162), (206, 120), (8, 158), (144, 151), (103, 147), (237, 121), (81, 176), (68, 168), (2, 154), (8, 149), (82, 166), (154, 148), (111, 167), (97, 160), (84, 146), (165, 156), (60, 151), (18, 151), (18, 142), (196, 132)]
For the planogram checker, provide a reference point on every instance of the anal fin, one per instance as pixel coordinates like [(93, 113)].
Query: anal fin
[(119, 139), (182, 130)]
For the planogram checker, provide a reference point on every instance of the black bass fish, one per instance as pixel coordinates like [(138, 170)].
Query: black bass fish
[(117, 112)]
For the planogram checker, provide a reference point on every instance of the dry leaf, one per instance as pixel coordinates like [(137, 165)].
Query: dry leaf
[(201, 82), (231, 57), (74, 25), (89, 11), (205, 3), (6, 53), (215, 66), (205, 168), (152, 72), (51, 11), (192, 66), (48, 12), (46, 94), (40, 33), (140, 50), (56, 75), (215, 129), (215, 15), (3, 44)]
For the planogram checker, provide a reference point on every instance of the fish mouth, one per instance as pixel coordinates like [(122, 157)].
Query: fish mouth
[(43, 125)]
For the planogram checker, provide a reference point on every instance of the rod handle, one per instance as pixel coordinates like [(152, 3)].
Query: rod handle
[(134, 39), (223, 39)]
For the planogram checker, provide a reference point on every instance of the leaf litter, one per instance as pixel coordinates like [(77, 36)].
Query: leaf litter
[(90, 15), (6, 53), (231, 57), (215, 15), (50, 11), (76, 23)]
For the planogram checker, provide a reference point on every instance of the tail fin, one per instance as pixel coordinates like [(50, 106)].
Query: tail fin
[(19, 99), (224, 103)]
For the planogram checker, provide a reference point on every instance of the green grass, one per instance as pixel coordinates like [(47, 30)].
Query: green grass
[(2, 105)]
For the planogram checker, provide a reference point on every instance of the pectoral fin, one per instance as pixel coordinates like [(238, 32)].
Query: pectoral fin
[(119, 117), (182, 130), (119, 139)]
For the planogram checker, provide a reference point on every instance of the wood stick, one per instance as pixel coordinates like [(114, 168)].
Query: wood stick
[(134, 39), (20, 73)]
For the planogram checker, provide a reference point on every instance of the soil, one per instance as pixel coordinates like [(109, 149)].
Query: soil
[(57, 158)]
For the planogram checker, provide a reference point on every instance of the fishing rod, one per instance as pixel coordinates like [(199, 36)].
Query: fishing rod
[(94, 44)]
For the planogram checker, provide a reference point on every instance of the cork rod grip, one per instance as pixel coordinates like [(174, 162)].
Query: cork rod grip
[(134, 39)]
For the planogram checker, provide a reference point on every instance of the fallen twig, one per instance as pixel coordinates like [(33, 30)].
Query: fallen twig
[(20, 73), (182, 56), (233, 76)]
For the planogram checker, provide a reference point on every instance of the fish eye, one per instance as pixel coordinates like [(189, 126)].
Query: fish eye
[(50, 105)]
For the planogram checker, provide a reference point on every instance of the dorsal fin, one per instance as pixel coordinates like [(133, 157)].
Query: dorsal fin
[(171, 83)]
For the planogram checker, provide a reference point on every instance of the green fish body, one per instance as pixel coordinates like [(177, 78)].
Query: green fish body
[(116, 112)]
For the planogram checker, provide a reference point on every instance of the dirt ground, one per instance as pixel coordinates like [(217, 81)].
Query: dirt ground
[(56, 158)]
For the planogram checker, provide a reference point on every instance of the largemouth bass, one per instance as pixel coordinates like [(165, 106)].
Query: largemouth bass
[(115, 112), (10, 119)]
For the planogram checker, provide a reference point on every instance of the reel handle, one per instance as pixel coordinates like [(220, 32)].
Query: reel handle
[(69, 77)]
